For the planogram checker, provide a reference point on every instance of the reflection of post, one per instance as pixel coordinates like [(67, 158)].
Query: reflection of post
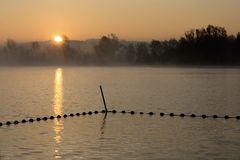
[(103, 123), (57, 106)]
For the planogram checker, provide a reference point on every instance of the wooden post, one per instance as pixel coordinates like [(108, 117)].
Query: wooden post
[(103, 99)]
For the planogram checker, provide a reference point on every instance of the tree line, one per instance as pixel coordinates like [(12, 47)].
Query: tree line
[(205, 46)]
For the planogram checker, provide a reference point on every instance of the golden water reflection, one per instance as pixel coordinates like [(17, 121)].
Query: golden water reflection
[(57, 105), (58, 91)]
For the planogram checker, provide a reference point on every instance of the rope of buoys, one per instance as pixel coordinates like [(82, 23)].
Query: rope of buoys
[(31, 120)]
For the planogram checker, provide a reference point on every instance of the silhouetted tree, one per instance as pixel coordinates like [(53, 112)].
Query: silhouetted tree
[(107, 47), (131, 53), (68, 52), (11, 44), (238, 36), (35, 45), (10, 47), (142, 52), (156, 50), (10, 50), (204, 46)]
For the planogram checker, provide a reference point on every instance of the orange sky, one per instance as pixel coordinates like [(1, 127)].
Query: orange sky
[(28, 20)]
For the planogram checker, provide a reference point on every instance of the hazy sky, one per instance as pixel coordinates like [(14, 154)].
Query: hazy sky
[(27, 20)]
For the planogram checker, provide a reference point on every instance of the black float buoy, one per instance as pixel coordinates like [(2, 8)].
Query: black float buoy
[(84, 113), (1, 124), (182, 115), (58, 116), (8, 123), (226, 117), (103, 111), (204, 116), (141, 113), (45, 118), (237, 117), (114, 111), (65, 116), (123, 112), (38, 119), (150, 113), (90, 112), (215, 116), (24, 121), (161, 114), (52, 117), (71, 115), (31, 120), (96, 112), (193, 115), (77, 114), (171, 114), (132, 112), (16, 122)]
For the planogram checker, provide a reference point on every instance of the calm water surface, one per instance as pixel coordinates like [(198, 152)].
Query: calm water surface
[(44, 91)]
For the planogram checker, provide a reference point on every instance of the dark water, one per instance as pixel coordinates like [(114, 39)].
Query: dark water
[(43, 91)]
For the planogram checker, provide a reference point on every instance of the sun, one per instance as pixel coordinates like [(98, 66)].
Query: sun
[(58, 39)]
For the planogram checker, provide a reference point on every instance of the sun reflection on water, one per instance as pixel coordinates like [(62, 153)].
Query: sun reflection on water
[(58, 107), (58, 91)]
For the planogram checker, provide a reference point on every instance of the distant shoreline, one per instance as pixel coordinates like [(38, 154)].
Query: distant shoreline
[(132, 65), (210, 46)]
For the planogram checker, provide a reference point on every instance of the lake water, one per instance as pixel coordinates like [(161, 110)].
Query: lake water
[(27, 92)]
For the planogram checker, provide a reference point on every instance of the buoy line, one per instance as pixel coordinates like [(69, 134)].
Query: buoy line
[(182, 115)]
